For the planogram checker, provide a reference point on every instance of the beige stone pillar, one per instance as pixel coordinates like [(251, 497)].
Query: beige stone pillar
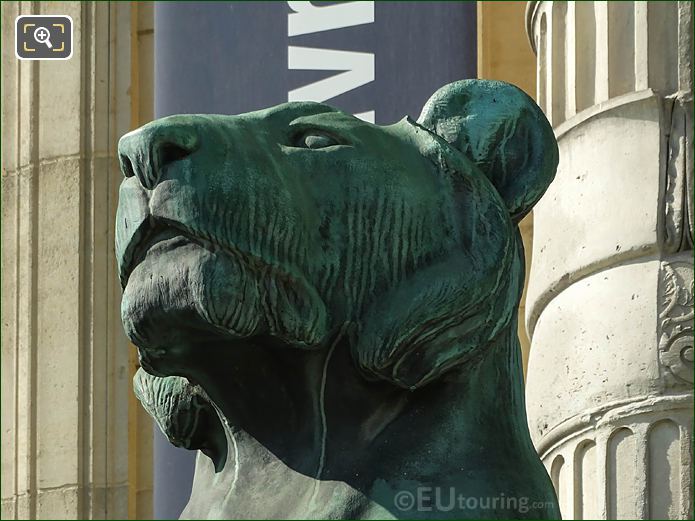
[(65, 379), (610, 299)]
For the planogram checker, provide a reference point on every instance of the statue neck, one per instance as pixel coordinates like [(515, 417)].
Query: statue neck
[(326, 432)]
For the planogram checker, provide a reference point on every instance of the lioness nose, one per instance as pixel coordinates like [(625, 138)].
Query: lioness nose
[(146, 151)]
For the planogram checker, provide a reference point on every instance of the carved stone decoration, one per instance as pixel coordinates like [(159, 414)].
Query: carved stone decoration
[(678, 197), (676, 320), (339, 299)]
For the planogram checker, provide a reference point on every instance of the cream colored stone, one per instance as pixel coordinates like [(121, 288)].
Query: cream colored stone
[(103, 499), (636, 450), (641, 47), (8, 101), (26, 112), (61, 503), (685, 46), (146, 63), (662, 46), (64, 356), (145, 17), (8, 508), (24, 509), (610, 301), (9, 332), (601, 61), (60, 95), (25, 339), (585, 58), (145, 502), (608, 161), (621, 48), (592, 353), (570, 52), (58, 312), (117, 502)]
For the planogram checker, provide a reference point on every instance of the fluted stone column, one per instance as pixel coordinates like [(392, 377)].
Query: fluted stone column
[(610, 298), (65, 381)]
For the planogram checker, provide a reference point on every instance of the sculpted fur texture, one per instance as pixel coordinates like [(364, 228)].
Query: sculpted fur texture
[(340, 299)]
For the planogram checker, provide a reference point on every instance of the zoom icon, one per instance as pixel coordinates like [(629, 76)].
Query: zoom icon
[(43, 37)]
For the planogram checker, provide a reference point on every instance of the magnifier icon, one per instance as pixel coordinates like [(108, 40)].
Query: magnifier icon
[(42, 35)]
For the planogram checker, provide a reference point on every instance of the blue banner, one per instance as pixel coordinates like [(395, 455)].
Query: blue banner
[(377, 60), (362, 57)]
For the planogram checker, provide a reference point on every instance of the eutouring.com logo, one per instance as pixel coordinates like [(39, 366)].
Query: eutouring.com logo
[(442, 499)]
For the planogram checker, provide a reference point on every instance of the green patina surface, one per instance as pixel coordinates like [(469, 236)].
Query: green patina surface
[(327, 307)]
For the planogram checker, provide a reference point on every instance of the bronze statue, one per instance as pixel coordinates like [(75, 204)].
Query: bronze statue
[(327, 308)]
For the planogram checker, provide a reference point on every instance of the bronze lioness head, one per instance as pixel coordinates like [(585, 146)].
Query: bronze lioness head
[(345, 294)]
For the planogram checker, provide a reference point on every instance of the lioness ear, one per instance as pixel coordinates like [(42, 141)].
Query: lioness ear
[(502, 130)]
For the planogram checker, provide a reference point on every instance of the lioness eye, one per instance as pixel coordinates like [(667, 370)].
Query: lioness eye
[(317, 141)]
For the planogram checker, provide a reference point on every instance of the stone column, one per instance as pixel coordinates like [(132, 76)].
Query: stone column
[(64, 364), (610, 299)]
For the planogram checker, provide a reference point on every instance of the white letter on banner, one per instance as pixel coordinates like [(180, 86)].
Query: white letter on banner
[(358, 67), (366, 116), (308, 18)]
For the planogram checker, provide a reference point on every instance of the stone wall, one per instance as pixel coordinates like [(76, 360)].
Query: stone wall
[(65, 380), (610, 298)]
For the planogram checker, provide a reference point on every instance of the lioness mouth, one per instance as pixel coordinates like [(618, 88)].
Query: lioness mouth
[(160, 236), (157, 237)]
